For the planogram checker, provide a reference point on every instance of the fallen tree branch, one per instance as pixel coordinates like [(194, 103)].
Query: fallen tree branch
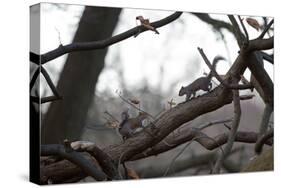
[(65, 171), (75, 157), (106, 163)]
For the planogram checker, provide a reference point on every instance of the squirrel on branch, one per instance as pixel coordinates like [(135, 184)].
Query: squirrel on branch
[(128, 126), (204, 83)]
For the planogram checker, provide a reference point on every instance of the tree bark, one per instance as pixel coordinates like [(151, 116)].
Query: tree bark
[(65, 118)]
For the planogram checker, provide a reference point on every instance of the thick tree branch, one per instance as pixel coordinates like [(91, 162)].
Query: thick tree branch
[(75, 157), (81, 46), (261, 44), (264, 83), (106, 163), (65, 171)]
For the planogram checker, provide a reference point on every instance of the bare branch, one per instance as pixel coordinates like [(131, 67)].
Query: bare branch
[(186, 163), (70, 170), (81, 46), (244, 28), (49, 81), (261, 141), (188, 133), (233, 131), (223, 82), (128, 102), (265, 119), (43, 100), (261, 44), (88, 167), (267, 27), (217, 24), (267, 57), (214, 123), (33, 79), (264, 83), (106, 162), (237, 32), (196, 138)]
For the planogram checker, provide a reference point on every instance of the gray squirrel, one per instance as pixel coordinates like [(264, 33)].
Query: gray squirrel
[(128, 125), (204, 83)]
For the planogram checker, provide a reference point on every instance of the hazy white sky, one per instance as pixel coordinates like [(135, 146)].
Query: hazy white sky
[(175, 48)]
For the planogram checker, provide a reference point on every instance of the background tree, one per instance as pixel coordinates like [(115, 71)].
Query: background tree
[(66, 118)]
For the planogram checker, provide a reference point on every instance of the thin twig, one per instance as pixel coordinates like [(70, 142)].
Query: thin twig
[(110, 115), (229, 86), (215, 122), (244, 28), (188, 144), (237, 32), (127, 101)]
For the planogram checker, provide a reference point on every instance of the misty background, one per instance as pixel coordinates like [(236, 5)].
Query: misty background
[(151, 68)]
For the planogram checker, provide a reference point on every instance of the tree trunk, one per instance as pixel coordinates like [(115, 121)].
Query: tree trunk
[(65, 118)]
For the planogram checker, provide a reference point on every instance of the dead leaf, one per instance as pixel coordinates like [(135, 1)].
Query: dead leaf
[(254, 23), (134, 101), (132, 173)]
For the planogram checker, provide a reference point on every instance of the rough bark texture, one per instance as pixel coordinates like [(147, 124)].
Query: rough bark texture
[(65, 118)]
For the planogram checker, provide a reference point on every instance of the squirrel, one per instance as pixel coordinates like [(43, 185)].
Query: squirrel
[(128, 125), (203, 83)]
